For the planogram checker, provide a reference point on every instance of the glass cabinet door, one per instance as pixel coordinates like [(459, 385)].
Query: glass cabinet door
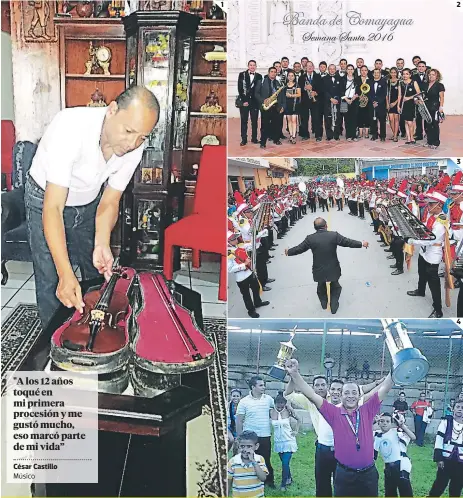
[(156, 78), (131, 62), (182, 83), (147, 229)]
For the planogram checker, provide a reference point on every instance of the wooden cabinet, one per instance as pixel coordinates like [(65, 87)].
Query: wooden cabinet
[(75, 36), (160, 54), (210, 34)]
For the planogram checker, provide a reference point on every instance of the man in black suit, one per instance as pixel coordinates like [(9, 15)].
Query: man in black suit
[(322, 71), (272, 119), (332, 92), (304, 61), (378, 65), (377, 104), (359, 63), (247, 82), (342, 71), (284, 68), (423, 82), (310, 82), (326, 267), (400, 65)]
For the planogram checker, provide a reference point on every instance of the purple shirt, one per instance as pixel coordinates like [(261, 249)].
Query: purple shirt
[(345, 450)]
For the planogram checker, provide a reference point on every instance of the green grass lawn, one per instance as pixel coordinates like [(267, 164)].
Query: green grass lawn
[(303, 465)]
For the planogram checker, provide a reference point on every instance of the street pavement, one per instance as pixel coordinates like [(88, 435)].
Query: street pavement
[(368, 288)]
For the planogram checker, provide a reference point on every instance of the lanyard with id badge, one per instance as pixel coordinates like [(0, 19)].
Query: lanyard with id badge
[(356, 430)]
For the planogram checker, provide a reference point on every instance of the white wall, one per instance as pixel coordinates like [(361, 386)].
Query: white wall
[(436, 35), (7, 78), (35, 80)]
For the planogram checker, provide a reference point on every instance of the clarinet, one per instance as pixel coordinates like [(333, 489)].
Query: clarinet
[(293, 92), (403, 99), (309, 92)]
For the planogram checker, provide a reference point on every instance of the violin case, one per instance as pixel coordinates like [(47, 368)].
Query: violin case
[(165, 340), (112, 368)]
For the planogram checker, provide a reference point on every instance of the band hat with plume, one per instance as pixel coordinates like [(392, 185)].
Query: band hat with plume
[(402, 189), (457, 186), (242, 208), (232, 235), (436, 196)]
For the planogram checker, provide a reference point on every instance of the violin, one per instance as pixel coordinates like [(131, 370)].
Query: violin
[(99, 329)]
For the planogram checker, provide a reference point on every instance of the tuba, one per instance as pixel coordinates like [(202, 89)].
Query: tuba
[(422, 109), (272, 100), (363, 99)]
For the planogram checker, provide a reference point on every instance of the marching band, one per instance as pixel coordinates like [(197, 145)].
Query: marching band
[(351, 100), (403, 226)]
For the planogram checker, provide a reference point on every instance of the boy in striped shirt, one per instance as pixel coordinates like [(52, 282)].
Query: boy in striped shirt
[(247, 470)]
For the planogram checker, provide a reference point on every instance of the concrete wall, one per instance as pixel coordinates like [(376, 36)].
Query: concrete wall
[(35, 81), (7, 78)]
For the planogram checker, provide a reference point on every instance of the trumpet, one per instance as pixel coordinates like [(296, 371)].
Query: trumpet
[(363, 99)]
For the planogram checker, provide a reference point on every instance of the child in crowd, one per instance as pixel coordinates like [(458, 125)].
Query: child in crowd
[(247, 470), (391, 443)]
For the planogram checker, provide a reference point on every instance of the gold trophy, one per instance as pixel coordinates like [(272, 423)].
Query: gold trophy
[(408, 364), (278, 371)]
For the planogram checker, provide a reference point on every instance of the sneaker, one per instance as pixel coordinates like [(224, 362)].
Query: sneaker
[(253, 314), (262, 303), (397, 272)]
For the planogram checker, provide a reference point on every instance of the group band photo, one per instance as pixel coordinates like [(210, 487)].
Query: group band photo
[(345, 407), (300, 99), (393, 245)]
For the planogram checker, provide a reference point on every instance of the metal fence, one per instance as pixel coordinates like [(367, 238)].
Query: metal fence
[(360, 356)]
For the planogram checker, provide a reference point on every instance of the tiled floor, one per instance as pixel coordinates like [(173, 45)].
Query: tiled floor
[(451, 132), (20, 287)]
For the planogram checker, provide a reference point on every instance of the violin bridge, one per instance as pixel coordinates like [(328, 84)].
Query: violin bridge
[(97, 315)]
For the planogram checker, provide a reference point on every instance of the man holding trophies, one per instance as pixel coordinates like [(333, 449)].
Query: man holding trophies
[(352, 425)]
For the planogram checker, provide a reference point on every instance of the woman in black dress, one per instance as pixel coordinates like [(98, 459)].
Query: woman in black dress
[(407, 107), (435, 105), (363, 115), (392, 102), (349, 94), (292, 104)]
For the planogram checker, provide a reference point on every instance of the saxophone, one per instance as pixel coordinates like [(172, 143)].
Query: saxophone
[(272, 100)]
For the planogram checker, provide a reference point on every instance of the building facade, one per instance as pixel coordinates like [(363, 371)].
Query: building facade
[(246, 173), (385, 169)]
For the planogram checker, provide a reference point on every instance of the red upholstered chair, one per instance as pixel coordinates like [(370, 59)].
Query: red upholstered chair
[(204, 229), (8, 141)]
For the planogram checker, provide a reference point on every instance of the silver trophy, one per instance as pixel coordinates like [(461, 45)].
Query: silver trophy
[(278, 371), (408, 364)]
